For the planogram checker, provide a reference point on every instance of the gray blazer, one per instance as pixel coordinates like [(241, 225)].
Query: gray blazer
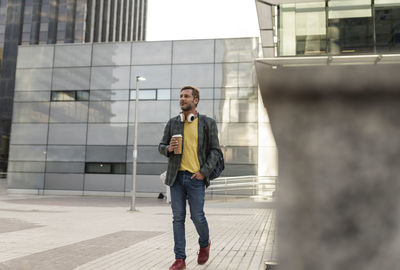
[(207, 160)]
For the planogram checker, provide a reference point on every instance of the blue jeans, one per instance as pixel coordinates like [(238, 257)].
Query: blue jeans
[(194, 191)]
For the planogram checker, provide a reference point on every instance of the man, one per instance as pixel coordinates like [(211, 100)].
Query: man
[(187, 173)]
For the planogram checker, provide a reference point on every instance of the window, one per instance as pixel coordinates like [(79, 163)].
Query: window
[(151, 94), (350, 28), (339, 27), (80, 95), (387, 23), (105, 168), (302, 29)]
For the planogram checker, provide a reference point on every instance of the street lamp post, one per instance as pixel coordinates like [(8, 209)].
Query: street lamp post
[(134, 154)]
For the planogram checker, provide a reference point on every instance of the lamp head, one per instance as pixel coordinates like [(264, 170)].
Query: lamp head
[(140, 78)]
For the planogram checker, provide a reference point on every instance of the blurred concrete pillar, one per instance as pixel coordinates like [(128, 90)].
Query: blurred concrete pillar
[(337, 130)]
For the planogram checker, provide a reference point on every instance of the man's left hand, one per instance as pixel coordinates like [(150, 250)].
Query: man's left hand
[(198, 176)]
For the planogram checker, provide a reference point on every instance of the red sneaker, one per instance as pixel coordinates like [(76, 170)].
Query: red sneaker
[(203, 254), (179, 264)]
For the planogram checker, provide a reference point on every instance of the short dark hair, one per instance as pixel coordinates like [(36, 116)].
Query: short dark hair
[(195, 91)]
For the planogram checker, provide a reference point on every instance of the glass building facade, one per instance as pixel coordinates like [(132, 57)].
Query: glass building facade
[(338, 27), (334, 27), (58, 21), (74, 112)]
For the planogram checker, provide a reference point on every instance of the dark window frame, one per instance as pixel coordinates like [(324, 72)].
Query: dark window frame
[(76, 96), (112, 167)]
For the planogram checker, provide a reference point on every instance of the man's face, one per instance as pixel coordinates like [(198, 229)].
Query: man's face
[(187, 101)]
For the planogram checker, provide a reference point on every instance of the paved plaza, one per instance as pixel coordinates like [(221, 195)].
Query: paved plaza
[(65, 232)]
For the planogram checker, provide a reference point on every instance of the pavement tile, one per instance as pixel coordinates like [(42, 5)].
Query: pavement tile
[(85, 233)]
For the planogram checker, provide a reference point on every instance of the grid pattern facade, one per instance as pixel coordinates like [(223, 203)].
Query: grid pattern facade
[(62, 142), (58, 21)]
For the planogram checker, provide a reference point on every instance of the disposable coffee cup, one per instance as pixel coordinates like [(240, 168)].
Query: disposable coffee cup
[(178, 138)]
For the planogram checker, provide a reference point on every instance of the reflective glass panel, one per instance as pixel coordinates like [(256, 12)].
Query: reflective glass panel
[(287, 30), (148, 169), (226, 93), (156, 76), (69, 112), (144, 53), (247, 75), (71, 78), (238, 134), (96, 153), (65, 153), (28, 153), (193, 51), (29, 134), (25, 180), (302, 29), (227, 50), (175, 109), (206, 107), (349, 9), (32, 96), (241, 155), (106, 182), (239, 170), (65, 167), (147, 154), (111, 54), (233, 110), (387, 21), (350, 27), (107, 134), (31, 112), (236, 50), (150, 111), (104, 78), (33, 79), (69, 55), (58, 181), (200, 75), (108, 111), (222, 110), (226, 75), (310, 28), (148, 133), (35, 57), (25, 166), (247, 93), (67, 134)]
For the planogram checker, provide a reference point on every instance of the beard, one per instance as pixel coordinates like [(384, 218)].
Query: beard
[(186, 107)]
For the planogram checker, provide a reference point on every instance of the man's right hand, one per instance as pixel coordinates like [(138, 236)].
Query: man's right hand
[(172, 145)]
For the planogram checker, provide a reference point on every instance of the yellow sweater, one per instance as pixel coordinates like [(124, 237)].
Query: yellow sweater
[(190, 161)]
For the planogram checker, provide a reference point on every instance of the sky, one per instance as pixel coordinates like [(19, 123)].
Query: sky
[(201, 19)]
